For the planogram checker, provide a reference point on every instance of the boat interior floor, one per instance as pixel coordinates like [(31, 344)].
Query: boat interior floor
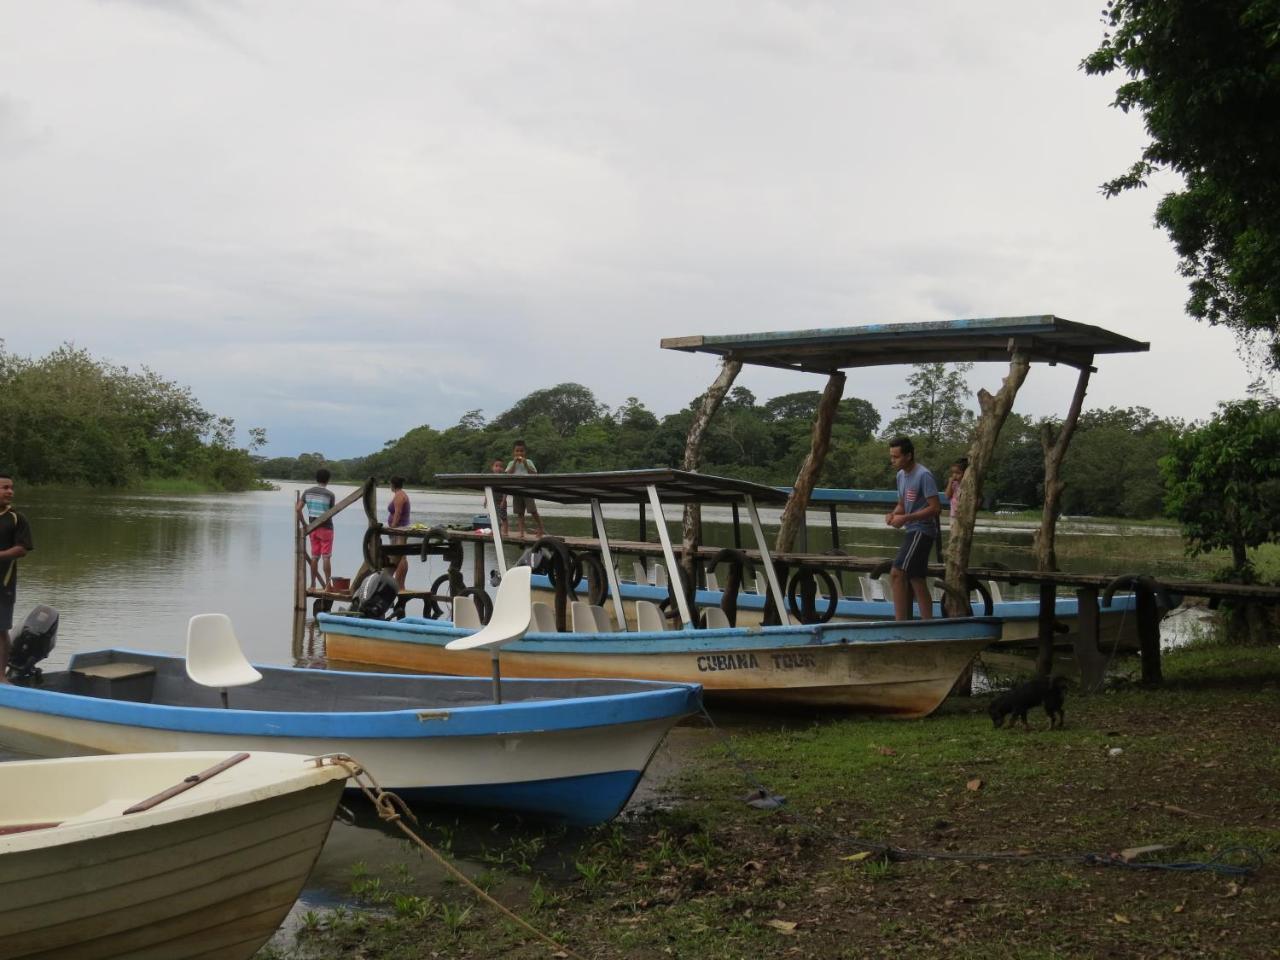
[(162, 680)]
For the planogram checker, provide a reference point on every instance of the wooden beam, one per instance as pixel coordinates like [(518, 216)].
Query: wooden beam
[(711, 401), (793, 514), (995, 410), (1055, 451)]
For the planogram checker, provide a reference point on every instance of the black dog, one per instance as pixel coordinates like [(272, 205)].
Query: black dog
[(1050, 692)]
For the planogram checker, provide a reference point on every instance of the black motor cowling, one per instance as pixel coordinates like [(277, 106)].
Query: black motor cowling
[(33, 643), (376, 596)]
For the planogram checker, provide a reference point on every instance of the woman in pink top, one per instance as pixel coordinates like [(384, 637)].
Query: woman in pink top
[(398, 516)]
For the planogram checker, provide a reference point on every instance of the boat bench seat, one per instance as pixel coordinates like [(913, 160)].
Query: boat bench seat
[(116, 680)]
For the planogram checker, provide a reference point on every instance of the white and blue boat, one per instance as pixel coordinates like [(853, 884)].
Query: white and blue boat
[(567, 749), (902, 669)]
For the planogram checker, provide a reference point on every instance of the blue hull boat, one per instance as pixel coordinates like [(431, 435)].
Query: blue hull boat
[(569, 749)]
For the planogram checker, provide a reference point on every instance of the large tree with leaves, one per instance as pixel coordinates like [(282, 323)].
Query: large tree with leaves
[(1224, 480), (1205, 74), (935, 409)]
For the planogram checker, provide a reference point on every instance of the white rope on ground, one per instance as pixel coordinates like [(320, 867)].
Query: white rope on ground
[(393, 809)]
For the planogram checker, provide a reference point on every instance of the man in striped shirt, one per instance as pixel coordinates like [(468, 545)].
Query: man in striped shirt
[(315, 502)]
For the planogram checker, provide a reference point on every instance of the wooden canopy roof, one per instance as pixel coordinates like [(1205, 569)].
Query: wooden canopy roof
[(616, 486), (1046, 339)]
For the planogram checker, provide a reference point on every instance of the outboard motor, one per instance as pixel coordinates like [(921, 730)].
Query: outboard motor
[(34, 642), (377, 595)]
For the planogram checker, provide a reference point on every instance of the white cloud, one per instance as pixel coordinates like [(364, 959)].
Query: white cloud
[(405, 211)]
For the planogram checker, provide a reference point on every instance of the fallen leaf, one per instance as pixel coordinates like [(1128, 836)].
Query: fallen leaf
[(886, 751), (855, 857), (1129, 854), (783, 926), (1180, 908), (1120, 918), (975, 784), (1233, 889)]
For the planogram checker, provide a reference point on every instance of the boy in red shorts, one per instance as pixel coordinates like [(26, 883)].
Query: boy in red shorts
[(315, 501)]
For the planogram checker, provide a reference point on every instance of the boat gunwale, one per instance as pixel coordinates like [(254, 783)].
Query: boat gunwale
[(669, 699)]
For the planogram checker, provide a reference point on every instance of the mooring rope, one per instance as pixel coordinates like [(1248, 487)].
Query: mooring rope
[(1217, 864), (393, 809)]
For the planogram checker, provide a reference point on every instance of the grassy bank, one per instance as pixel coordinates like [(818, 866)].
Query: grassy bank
[(1194, 765), (155, 485)]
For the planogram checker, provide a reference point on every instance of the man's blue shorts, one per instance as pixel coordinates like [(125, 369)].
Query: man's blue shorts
[(913, 555)]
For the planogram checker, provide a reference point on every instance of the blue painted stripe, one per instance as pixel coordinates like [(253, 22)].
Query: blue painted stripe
[(881, 610)]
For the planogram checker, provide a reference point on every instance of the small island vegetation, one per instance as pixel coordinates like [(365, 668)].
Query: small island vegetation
[(72, 419)]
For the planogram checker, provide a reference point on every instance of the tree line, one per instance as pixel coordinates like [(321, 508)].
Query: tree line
[(1112, 468), (70, 418)]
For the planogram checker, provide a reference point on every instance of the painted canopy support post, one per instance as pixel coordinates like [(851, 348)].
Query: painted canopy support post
[(770, 574), (495, 528), (1088, 636), (1055, 445), (610, 572), (995, 410), (711, 401), (819, 444), (682, 600)]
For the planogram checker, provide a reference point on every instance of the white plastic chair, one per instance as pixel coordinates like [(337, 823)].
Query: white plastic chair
[(214, 657), (512, 617), (638, 572), (871, 589), (659, 575), (649, 618), (717, 619), (762, 585), (603, 622), (994, 587), (582, 618), (712, 582), (544, 618), (465, 613)]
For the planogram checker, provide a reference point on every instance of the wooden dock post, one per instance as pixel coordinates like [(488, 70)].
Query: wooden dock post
[(1148, 634), (1045, 625), (1088, 638), (299, 583)]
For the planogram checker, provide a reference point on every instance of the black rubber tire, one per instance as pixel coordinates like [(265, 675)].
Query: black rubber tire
[(833, 592)]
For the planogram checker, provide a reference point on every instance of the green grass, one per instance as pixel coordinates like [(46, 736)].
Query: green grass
[(1194, 765)]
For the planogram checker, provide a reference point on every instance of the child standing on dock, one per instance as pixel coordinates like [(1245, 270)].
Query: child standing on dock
[(315, 502), (520, 463), (953, 486), (500, 500)]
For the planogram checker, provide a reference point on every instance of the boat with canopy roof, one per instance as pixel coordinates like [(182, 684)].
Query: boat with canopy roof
[(902, 669)]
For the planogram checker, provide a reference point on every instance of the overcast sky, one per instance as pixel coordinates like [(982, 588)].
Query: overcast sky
[(342, 220)]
